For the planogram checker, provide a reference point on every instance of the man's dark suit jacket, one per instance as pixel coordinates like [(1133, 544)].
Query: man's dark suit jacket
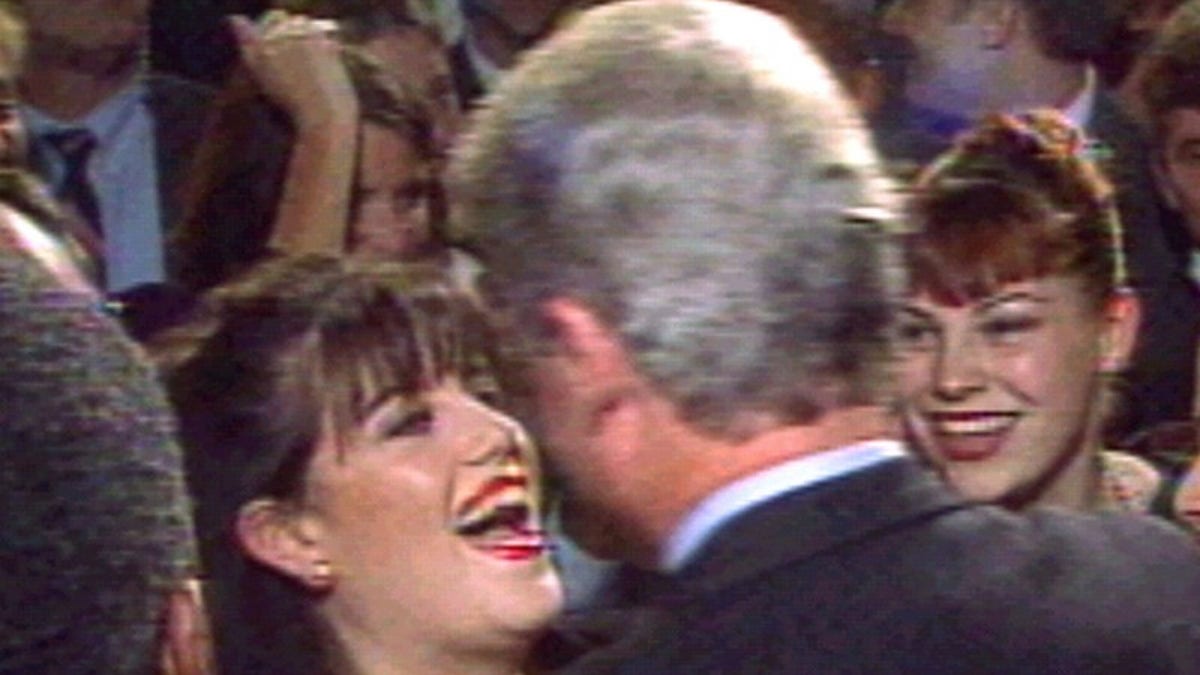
[(1158, 385), (886, 571)]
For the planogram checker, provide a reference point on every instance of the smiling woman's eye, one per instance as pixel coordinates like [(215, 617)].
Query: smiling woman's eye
[(1008, 329), (916, 334), (409, 423)]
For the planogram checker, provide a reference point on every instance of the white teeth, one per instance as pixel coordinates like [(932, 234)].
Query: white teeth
[(988, 424)]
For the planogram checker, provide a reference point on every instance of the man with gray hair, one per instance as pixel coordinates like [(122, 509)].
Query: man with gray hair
[(692, 257)]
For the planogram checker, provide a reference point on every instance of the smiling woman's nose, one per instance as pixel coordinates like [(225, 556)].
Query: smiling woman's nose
[(960, 369)]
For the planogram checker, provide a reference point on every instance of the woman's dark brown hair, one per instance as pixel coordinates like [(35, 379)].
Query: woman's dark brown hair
[(272, 359), (1018, 197)]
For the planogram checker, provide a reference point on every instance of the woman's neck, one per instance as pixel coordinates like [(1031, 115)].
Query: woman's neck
[(370, 657), (1078, 485)]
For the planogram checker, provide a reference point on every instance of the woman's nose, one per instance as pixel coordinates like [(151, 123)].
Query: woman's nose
[(960, 369)]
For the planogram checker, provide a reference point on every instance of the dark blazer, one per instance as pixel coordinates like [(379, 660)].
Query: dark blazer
[(886, 571), (96, 520), (179, 110), (1158, 385)]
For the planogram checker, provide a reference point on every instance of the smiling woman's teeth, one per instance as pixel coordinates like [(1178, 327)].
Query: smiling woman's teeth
[(982, 424)]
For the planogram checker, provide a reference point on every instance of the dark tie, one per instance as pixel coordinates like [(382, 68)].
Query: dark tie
[(75, 146)]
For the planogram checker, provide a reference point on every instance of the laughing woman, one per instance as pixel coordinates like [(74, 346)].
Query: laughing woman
[(360, 510), (1017, 319)]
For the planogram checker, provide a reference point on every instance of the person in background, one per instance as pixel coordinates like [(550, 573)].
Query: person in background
[(353, 165), (1018, 319), (112, 140), (360, 508), (972, 57), (698, 269), (1170, 95)]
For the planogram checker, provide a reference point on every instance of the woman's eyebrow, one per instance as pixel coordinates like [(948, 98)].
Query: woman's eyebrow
[(1013, 296)]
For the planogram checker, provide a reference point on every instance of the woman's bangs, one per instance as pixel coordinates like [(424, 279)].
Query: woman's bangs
[(974, 240), (379, 354)]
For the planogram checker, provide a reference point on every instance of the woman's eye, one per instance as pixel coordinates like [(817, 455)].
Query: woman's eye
[(415, 423), (1009, 329), (409, 197), (916, 335)]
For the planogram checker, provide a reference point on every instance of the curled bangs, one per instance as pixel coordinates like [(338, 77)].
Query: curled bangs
[(975, 236)]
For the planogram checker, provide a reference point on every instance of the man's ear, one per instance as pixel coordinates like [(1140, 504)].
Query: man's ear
[(1122, 317), (284, 538), (589, 346)]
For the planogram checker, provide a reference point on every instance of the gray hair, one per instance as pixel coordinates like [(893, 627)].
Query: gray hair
[(691, 172)]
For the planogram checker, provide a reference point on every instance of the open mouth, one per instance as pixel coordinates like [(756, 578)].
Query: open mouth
[(970, 423), (970, 437), (499, 518)]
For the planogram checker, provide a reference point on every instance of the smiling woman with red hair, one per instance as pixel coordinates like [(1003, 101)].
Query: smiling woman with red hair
[(1017, 319)]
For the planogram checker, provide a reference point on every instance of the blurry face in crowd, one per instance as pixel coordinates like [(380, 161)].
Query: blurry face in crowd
[(418, 60), (1178, 170), (1002, 393), (1187, 499), (392, 220), (12, 131), (947, 71), (89, 24), (429, 518)]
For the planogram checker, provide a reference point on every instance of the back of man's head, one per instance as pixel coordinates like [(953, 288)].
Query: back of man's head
[(96, 524), (691, 172)]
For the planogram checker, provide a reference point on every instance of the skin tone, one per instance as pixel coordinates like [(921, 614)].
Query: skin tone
[(616, 440), (1003, 394), (1178, 167), (422, 533), (392, 215), (81, 57), (1187, 498), (298, 66)]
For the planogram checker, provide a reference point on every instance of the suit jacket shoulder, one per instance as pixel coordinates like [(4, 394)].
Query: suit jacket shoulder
[(886, 572)]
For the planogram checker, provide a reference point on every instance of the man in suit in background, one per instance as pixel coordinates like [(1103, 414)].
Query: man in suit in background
[(691, 253), (1170, 96), (971, 57), (112, 140)]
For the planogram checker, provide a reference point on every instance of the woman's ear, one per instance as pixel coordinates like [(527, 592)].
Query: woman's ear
[(286, 539), (1122, 317)]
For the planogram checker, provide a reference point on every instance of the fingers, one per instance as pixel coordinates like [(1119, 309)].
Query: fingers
[(277, 25), (187, 646)]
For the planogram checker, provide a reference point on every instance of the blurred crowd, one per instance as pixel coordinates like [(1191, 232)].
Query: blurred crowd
[(495, 336)]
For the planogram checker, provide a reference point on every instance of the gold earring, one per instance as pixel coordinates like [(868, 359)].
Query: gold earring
[(321, 575)]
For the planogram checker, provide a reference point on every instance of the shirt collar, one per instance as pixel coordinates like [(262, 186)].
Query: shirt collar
[(104, 121), (1079, 109), (721, 506)]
